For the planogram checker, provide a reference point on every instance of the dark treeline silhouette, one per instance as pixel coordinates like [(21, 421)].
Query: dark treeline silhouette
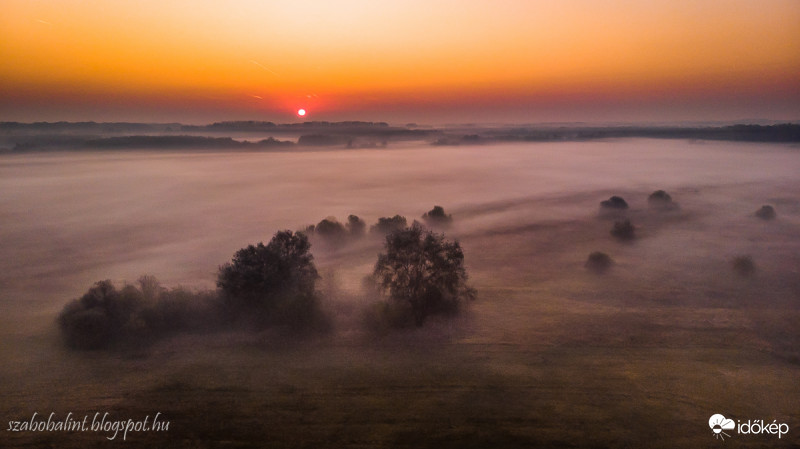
[(182, 142), (259, 126), (788, 132), (84, 127), (161, 142), (320, 133), (466, 139), (353, 134), (323, 139)]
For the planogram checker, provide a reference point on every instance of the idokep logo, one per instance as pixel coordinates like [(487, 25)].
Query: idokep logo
[(719, 424)]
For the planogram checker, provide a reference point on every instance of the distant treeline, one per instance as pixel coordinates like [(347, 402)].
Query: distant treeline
[(182, 142), (146, 142), (788, 132), (321, 132), (352, 134), (89, 127), (345, 127), (259, 126)]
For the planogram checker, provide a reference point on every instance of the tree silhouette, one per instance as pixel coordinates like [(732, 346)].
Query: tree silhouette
[(424, 270), (437, 217), (356, 226), (273, 283), (614, 203), (386, 225), (103, 316), (766, 212), (330, 230), (598, 262), (661, 200), (623, 230)]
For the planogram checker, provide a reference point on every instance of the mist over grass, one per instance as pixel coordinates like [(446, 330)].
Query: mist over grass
[(551, 354)]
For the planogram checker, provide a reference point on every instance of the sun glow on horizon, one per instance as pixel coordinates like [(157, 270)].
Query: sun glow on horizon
[(401, 58)]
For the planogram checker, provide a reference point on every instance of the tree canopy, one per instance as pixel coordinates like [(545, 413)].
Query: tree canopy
[(437, 217), (422, 269), (274, 282)]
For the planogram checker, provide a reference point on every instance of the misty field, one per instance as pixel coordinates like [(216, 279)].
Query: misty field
[(550, 354)]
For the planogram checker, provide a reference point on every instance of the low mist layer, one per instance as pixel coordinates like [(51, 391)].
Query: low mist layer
[(699, 302)]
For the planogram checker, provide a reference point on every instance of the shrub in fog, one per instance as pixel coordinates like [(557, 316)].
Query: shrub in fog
[(766, 212), (424, 272), (598, 262), (623, 230), (661, 200), (99, 317), (614, 203), (743, 266), (436, 217), (181, 309), (106, 316), (330, 230), (356, 226), (385, 225), (273, 284)]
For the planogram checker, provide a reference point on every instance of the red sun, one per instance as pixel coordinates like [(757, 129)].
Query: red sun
[(301, 112)]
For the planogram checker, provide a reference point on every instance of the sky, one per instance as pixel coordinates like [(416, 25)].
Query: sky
[(422, 61)]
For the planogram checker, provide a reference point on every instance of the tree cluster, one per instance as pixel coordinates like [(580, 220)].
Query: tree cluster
[(106, 316), (274, 284), (386, 225), (436, 217), (332, 232)]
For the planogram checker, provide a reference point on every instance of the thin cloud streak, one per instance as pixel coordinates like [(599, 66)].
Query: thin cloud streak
[(262, 66)]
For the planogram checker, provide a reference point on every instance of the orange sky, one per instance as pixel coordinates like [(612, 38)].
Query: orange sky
[(428, 61)]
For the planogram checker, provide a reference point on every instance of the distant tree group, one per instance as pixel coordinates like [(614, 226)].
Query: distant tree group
[(424, 271), (330, 229), (436, 217), (275, 285), (385, 225), (332, 232)]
